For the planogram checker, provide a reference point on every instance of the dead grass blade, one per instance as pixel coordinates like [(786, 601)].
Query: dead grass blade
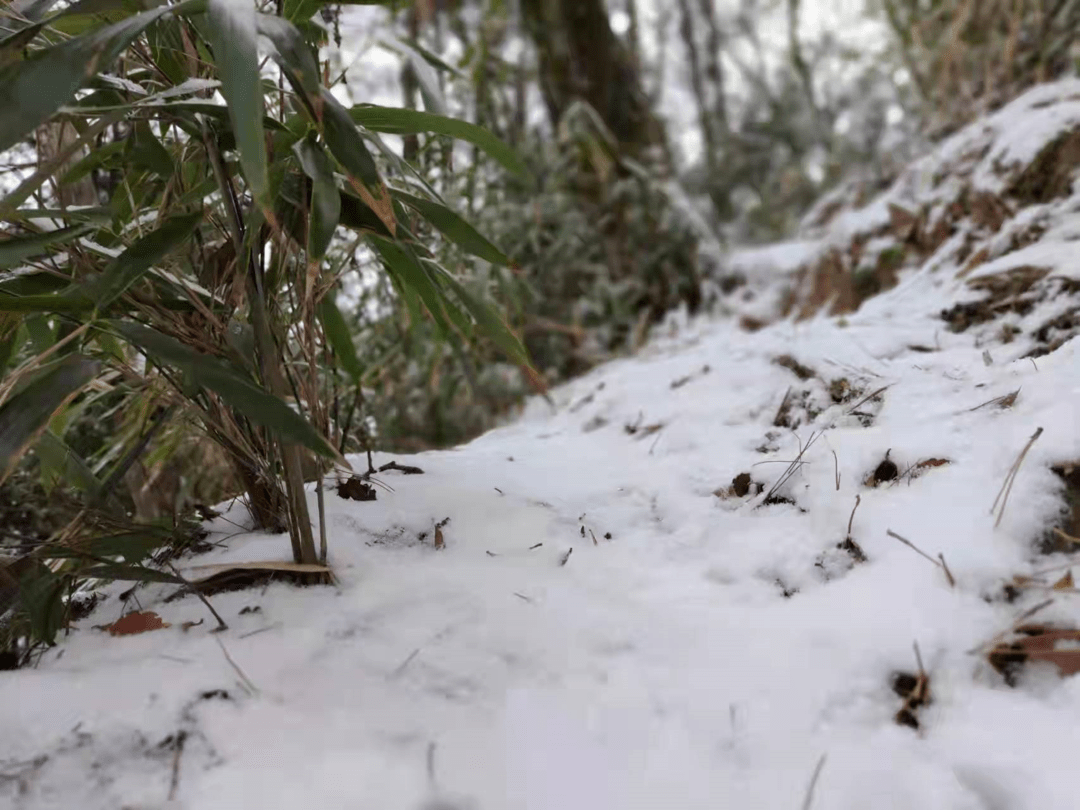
[(867, 398), (245, 681), (1010, 478), (939, 561), (808, 799)]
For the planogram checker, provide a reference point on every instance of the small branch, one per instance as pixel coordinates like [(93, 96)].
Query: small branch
[(808, 799), (858, 500), (244, 679), (836, 472), (1010, 478), (178, 750), (402, 468), (221, 622), (869, 397), (940, 562), (566, 558)]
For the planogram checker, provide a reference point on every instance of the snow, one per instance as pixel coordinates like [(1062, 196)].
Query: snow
[(710, 651), (661, 668)]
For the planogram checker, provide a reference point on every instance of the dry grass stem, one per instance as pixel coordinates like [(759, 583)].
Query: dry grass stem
[(1010, 478)]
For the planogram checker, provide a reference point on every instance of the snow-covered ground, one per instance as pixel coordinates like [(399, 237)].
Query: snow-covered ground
[(610, 624)]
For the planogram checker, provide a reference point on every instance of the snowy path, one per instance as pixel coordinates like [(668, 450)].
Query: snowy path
[(714, 647), (661, 668)]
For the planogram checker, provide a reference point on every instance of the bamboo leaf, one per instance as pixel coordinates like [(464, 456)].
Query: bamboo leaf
[(60, 463), (338, 336), (345, 143), (25, 415), (33, 89), (130, 265), (233, 34), (490, 323), (325, 209), (20, 248), (401, 262), (293, 54), (409, 122), (130, 573), (228, 382), (454, 228)]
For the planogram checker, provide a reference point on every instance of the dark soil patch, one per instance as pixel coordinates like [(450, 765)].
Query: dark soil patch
[(1050, 175), (1007, 292), (794, 366), (1069, 523)]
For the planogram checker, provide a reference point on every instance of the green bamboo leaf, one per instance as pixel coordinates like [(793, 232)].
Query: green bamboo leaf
[(409, 122), (325, 209), (33, 89), (41, 596), (145, 151), (490, 323), (67, 301), (345, 143), (293, 54), (133, 546), (18, 249), (454, 228), (402, 262), (233, 33), (60, 463), (357, 214), (97, 216), (337, 334), (130, 265), (228, 382), (25, 415), (130, 573)]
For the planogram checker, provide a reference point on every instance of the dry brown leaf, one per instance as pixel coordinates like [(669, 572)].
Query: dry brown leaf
[(188, 625), (934, 462), (1038, 643), (382, 206), (439, 542), (1065, 583), (135, 623)]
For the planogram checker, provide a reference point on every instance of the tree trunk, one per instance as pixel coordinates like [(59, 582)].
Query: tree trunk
[(52, 139), (581, 58)]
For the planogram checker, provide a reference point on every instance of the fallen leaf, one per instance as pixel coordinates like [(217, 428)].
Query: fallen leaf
[(356, 489), (188, 625), (439, 542), (934, 462), (135, 623), (1038, 643), (1065, 583)]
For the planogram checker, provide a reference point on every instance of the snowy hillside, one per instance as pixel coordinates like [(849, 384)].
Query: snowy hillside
[(677, 589)]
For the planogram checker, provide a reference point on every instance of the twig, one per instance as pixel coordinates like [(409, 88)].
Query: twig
[(244, 679), (808, 799), (178, 749), (794, 466), (858, 500), (918, 657), (250, 633), (1068, 538), (869, 397), (523, 597), (945, 568), (1010, 478), (940, 563), (535, 547), (1006, 400), (566, 557), (1027, 614), (836, 472), (221, 622), (405, 663), (783, 406), (402, 468)]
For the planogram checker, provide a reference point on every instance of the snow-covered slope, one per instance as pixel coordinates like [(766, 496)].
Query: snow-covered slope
[(618, 617)]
